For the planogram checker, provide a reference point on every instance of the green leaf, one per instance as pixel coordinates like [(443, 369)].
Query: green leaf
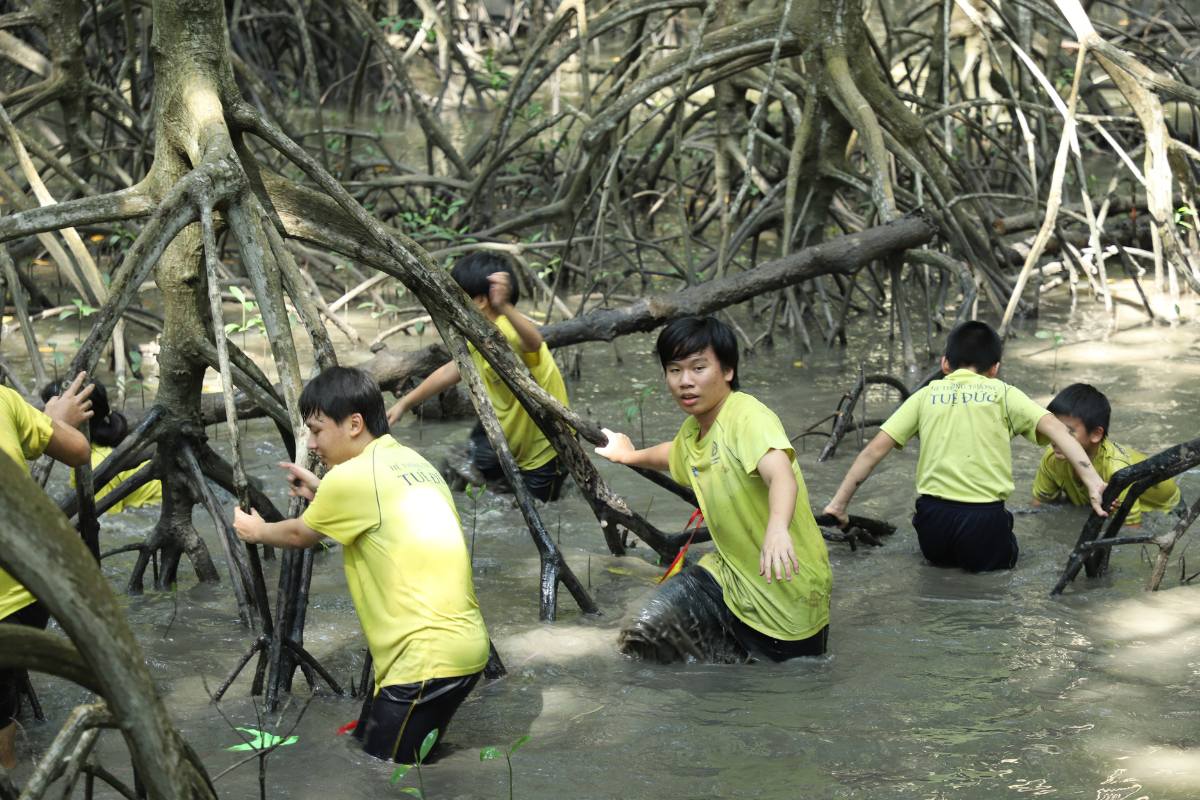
[(1043, 334), (400, 772), (414, 791), (67, 313), (428, 743), (238, 294), (518, 744), (232, 327), (420, 328), (490, 753), (262, 740)]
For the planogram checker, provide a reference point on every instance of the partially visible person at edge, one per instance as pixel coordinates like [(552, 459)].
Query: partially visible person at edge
[(405, 558), (489, 281), (966, 422), (769, 576), (108, 429), (1085, 411), (25, 434)]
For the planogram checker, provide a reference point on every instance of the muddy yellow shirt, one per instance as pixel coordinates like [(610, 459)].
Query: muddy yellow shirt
[(24, 434), (722, 469), (966, 423), (149, 494), (1055, 480), (529, 445), (406, 563)]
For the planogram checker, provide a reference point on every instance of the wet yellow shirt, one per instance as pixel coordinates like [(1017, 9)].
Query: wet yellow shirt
[(149, 494), (529, 445), (966, 423), (1055, 480), (406, 563), (24, 434), (722, 469)]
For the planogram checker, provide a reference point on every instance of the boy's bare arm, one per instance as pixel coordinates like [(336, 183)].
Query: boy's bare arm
[(858, 473), (253, 529), (1060, 435), (778, 557), (438, 381), (619, 449), (499, 296)]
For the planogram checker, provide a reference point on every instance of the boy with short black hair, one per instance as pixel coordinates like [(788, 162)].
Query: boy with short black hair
[(488, 279), (406, 562), (1085, 411), (765, 589), (966, 422), (25, 434)]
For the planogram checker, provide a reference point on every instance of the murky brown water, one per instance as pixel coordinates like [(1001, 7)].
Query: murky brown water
[(939, 685)]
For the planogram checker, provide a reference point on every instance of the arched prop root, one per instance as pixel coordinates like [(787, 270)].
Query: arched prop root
[(1093, 546)]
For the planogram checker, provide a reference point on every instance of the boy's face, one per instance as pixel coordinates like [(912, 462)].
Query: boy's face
[(1088, 440), (699, 383), (335, 442)]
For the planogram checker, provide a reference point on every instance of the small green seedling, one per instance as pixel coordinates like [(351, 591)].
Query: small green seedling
[(402, 770), (492, 753)]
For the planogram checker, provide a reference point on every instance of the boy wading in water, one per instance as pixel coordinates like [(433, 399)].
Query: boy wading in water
[(764, 591), (26, 433), (966, 422), (405, 558), (488, 279)]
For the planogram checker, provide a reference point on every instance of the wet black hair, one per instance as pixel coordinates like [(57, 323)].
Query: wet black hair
[(108, 428), (688, 335), (472, 270), (974, 344), (1084, 402), (339, 392)]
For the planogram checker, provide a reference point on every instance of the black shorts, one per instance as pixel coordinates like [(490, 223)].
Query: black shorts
[(975, 536), (34, 615), (687, 618), (544, 482), (395, 722)]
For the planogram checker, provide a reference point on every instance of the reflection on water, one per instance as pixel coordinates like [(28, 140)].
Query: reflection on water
[(938, 685)]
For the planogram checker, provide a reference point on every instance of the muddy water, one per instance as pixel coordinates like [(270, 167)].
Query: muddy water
[(939, 684)]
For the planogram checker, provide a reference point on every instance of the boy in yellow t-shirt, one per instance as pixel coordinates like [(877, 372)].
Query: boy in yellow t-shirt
[(966, 422), (1085, 411), (764, 592), (488, 279), (108, 429), (406, 562), (26, 433)]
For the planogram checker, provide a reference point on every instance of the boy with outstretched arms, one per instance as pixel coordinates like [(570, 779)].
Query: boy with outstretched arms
[(768, 579), (25, 434), (406, 562), (488, 279), (966, 422), (1085, 412)]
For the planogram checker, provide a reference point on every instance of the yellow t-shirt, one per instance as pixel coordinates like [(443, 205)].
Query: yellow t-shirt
[(722, 469), (406, 563), (24, 434), (1056, 480), (529, 445), (966, 422), (149, 494)]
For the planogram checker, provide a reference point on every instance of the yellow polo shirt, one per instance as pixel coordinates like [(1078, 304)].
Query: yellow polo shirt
[(24, 434), (406, 563), (722, 469), (966, 423), (529, 445), (1056, 480), (149, 494)]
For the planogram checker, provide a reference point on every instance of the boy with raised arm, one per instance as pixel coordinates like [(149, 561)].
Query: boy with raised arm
[(26, 433), (966, 422), (488, 279), (406, 562), (1085, 411), (765, 589)]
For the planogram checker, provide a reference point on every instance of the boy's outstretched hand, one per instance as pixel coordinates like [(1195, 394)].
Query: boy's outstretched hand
[(838, 513), (73, 407), (247, 526), (778, 557), (1096, 495), (499, 290), (618, 448), (301, 482)]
